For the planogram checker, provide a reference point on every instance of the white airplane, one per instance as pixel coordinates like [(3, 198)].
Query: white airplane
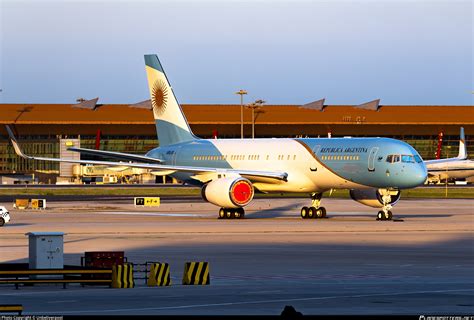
[(230, 170), (451, 168)]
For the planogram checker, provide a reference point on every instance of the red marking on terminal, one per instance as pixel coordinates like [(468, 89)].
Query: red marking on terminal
[(242, 192)]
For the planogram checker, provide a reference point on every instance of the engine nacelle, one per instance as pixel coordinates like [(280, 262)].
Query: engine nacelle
[(228, 192), (373, 197)]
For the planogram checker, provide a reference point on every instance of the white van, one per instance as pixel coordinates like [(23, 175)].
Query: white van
[(4, 216)]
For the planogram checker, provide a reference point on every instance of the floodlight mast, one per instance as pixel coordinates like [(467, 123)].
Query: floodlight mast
[(241, 92)]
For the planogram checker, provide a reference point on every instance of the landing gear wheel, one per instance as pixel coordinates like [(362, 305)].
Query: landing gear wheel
[(319, 213), (230, 214), (312, 212), (241, 213), (388, 215), (304, 212), (2, 222), (323, 210), (221, 213), (237, 214), (380, 215)]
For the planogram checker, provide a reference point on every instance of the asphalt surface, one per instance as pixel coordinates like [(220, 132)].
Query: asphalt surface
[(346, 264)]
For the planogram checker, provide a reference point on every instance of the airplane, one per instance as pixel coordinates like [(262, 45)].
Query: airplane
[(230, 171), (451, 168)]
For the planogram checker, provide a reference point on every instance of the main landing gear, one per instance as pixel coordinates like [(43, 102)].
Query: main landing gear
[(315, 211), (385, 213), (226, 213)]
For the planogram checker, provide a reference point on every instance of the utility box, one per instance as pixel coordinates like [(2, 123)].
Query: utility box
[(46, 250)]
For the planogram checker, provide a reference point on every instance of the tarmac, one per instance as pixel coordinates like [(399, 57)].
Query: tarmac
[(422, 263)]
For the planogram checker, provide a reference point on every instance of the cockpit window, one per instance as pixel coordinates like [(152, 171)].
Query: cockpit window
[(418, 159), (393, 158), (408, 158)]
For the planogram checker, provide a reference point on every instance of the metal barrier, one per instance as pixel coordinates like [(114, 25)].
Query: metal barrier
[(143, 268), (18, 277), (9, 308)]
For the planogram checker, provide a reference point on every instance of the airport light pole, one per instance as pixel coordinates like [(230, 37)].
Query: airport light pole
[(256, 105), (241, 92), (447, 156)]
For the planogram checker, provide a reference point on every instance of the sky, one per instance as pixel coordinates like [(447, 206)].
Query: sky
[(284, 52)]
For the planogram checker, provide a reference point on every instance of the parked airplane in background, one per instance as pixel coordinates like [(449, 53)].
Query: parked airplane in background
[(230, 170), (452, 168)]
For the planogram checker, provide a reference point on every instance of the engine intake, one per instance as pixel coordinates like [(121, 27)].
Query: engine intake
[(228, 192), (373, 197)]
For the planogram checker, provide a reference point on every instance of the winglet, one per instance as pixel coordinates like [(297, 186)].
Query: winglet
[(15, 144), (462, 145)]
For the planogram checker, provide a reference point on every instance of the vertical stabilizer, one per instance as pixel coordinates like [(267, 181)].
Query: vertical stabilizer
[(462, 145), (171, 124)]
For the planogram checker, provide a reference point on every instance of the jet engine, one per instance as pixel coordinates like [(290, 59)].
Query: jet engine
[(228, 192), (373, 197)]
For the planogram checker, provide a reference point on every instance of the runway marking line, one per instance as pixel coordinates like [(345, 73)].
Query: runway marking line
[(62, 301), (255, 302)]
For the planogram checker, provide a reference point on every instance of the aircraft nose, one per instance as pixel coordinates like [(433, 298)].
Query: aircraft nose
[(414, 176), (420, 175)]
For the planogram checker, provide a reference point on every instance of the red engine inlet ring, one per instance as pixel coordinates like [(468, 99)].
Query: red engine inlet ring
[(241, 192)]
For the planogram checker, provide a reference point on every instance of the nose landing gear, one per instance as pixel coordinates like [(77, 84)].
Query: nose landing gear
[(315, 211), (385, 213)]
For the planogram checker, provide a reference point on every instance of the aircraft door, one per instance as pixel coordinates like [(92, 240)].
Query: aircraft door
[(314, 164), (372, 154), (175, 159)]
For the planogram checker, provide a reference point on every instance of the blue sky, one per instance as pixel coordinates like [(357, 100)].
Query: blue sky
[(285, 52)]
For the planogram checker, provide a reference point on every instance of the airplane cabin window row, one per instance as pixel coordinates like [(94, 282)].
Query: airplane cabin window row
[(241, 157), (340, 158)]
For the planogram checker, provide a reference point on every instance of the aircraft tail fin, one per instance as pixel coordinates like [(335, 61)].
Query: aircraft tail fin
[(171, 124), (462, 145)]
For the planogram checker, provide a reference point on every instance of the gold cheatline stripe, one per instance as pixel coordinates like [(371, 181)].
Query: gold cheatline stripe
[(317, 159)]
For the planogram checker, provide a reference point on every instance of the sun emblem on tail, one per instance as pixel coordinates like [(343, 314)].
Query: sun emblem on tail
[(159, 97)]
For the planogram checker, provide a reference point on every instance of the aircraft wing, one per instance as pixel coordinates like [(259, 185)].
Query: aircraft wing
[(254, 175), (116, 155)]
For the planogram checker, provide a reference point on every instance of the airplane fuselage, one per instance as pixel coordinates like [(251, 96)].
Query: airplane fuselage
[(450, 168), (312, 164)]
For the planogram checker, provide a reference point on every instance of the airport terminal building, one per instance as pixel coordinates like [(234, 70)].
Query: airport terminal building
[(48, 129)]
